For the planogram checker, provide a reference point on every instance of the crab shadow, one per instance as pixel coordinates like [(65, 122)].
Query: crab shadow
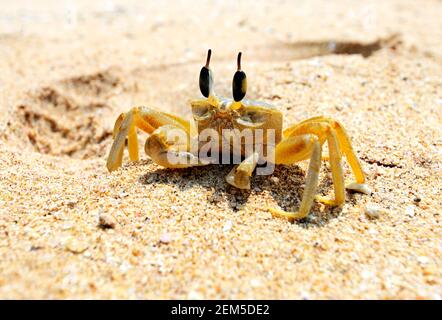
[(285, 186)]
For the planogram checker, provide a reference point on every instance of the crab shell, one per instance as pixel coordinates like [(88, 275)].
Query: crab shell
[(223, 115)]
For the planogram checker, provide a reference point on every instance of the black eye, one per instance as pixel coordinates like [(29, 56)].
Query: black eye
[(239, 84), (206, 77)]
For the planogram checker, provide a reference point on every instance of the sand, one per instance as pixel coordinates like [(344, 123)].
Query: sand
[(70, 229)]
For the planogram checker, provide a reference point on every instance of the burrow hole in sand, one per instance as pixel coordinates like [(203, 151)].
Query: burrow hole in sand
[(66, 118)]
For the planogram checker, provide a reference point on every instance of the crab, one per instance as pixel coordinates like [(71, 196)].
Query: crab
[(298, 142)]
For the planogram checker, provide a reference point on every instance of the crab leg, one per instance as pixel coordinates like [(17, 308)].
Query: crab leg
[(169, 147), (323, 129), (294, 149), (344, 145), (144, 118), (347, 149), (121, 130), (337, 174), (132, 143), (240, 175)]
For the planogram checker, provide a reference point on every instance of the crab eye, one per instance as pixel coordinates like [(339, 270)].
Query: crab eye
[(253, 118), (239, 84), (206, 77)]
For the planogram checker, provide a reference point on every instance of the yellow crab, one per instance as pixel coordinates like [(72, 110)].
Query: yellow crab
[(214, 113)]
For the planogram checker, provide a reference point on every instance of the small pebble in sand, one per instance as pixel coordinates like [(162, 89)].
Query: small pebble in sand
[(417, 199), (165, 238), (76, 246), (106, 221), (67, 226), (410, 211), (72, 203), (227, 226), (275, 180), (255, 283), (373, 211), (194, 295), (423, 260), (215, 198)]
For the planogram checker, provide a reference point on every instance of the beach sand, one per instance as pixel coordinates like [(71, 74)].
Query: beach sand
[(69, 69)]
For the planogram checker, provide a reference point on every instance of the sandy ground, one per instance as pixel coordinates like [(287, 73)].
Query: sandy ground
[(69, 68)]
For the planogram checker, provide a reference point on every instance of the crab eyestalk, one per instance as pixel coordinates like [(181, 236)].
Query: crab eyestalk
[(206, 77), (239, 84)]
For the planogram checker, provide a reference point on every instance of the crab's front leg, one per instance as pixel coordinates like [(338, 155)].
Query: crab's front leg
[(240, 175), (172, 147), (294, 149), (148, 120)]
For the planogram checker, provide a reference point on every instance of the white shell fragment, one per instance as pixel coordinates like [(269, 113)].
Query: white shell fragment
[(359, 187), (373, 211), (165, 238)]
